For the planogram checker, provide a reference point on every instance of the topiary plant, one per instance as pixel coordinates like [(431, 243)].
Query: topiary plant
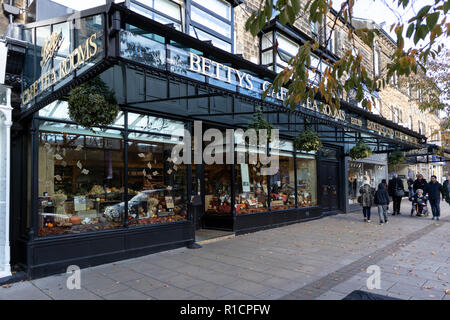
[(307, 140), (93, 104), (396, 157), (360, 151)]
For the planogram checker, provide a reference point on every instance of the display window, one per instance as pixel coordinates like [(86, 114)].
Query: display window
[(157, 186), (357, 173), (251, 189), (80, 177), (282, 183), (306, 180), (218, 189)]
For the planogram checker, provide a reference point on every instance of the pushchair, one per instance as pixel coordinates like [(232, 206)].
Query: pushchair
[(419, 206)]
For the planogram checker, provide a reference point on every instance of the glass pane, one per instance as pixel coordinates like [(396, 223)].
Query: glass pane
[(307, 181), (155, 16), (142, 49), (267, 40), (282, 188), (218, 189), (146, 123), (204, 36), (157, 187), (251, 189), (80, 180), (169, 8), (221, 8), (85, 28), (267, 57), (287, 45), (210, 22)]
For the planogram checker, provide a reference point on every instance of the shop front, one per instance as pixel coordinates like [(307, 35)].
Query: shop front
[(90, 196), (373, 169)]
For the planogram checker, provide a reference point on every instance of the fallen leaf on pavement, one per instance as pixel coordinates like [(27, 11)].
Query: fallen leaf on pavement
[(428, 287), (6, 286), (447, 291)]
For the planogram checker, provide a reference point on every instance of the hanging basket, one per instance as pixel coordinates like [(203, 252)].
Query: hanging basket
[(360, 151), (396, 157), (308, 140), (259, 123), (93, 104)]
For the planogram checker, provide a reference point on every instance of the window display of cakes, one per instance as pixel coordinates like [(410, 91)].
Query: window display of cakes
[(282, 195), (252, 202)]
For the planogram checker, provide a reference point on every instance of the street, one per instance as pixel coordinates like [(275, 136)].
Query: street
[(320, 259)]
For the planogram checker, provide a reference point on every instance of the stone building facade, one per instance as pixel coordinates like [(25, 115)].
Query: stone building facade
[(396, 102)]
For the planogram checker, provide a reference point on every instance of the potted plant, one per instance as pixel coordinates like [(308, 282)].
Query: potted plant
[(360, 151), (93, 104), (396, 158), (308, 140), (259, 123)]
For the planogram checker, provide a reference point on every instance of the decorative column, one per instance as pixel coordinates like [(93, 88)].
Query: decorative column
[(5, 140)]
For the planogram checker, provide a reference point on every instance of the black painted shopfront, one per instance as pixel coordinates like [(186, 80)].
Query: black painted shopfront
[(89, 197)]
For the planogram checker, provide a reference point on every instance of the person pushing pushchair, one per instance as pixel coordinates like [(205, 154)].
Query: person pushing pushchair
[(419, 204)]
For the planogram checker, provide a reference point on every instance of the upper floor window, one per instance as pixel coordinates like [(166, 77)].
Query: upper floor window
[(211, 20), (376, 61), (410, 123), (396, 115), (207, 20), (331, 42), (277, 49), (163, 11), (315, 29)]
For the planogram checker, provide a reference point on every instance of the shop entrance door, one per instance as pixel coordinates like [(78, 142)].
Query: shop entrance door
[(328, 185)]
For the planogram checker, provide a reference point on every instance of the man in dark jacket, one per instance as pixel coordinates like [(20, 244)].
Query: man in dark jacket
[(420, 183), (396, 191), (434, 190), (382, 201), (446, 190)]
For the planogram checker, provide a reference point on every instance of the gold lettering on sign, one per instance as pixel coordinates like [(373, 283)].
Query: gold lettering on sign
[(76, 59), (51, 45)]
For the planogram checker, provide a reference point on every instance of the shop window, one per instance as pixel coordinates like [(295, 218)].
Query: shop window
[(218, 189), (162, 11), (157, 186), (81, 175), (282, 183), (251, 185), (306, 181), (211, 21), (358, 172)]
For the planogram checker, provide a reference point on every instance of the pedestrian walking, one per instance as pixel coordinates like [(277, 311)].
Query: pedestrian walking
[(434, 190), (367, 199), (419, 183), (446, 190), (396, 191), (410, 187), (381, 199)]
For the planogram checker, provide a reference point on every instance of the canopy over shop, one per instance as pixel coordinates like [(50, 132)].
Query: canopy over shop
[(115, 192)]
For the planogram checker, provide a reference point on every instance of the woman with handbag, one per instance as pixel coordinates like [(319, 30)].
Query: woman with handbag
[(367, 198), (397, 192)]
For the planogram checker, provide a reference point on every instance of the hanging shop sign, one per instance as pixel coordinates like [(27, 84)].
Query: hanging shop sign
[(79, 57)]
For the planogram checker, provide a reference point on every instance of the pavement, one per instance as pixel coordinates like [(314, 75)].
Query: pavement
[(324, 259)]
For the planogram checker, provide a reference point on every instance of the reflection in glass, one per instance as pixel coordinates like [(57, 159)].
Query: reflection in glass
[(282, 188), (80, 176), (157, 187), (306, 181)]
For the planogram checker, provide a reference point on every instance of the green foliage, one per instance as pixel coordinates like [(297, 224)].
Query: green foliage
[(349, 73), (360, 151), (259, 122), (307, 140), (93, 104), (396, 157)]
